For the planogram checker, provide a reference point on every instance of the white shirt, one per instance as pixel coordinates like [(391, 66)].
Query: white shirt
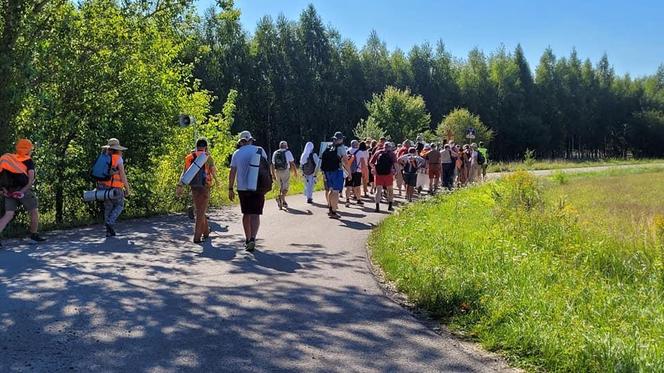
[(241, 161)]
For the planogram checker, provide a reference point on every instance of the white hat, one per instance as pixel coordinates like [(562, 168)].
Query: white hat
[(246, 136), (114, 144)]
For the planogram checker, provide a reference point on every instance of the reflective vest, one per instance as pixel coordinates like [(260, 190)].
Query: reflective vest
[(14, 163), (116, 180), (189, 159)]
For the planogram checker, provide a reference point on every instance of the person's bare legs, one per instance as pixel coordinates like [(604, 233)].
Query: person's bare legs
[(255, 224), (9, 215), (34, 220), (246, 224), (390, 197), (334, 200)]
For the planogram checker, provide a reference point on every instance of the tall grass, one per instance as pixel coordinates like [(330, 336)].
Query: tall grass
[(556, 164), (518, 267)]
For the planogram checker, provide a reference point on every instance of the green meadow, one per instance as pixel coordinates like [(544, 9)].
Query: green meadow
[(561, 274)]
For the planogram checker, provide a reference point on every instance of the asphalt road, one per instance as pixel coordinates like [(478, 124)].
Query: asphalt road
[(149, 300)]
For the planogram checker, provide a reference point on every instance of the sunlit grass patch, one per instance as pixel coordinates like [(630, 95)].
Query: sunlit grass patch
[(562, 276)]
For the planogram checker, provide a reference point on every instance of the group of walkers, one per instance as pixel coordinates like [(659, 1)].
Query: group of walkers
[(365, 171), (375, 166)]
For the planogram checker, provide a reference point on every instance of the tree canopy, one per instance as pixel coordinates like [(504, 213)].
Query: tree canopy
[(75, 73)]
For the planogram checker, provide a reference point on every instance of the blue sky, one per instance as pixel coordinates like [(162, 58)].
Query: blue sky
[(630, 32)]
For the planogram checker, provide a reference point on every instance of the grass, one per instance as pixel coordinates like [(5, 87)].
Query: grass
[(560, 164), (557, 275)]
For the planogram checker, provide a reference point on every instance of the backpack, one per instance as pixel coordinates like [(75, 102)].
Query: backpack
[(264, 183), (200, 179), (384, 164), (411, 166), (101, 170), (280, 162), (480, 158), (352, 161), (330, 161), (309, 167)]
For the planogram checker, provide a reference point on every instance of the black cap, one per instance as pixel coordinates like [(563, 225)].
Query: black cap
[(201, 143)]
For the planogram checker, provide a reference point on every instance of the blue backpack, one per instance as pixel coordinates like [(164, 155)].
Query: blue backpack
[(101, 170)]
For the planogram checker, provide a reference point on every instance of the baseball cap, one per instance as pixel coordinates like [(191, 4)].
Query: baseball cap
[(246, 136), (338, 136)]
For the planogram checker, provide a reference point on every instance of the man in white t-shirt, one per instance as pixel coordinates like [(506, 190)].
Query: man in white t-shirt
[(251, 202), (283, 163), (354, 178)]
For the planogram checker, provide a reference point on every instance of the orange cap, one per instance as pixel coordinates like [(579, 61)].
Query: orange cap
[(23, 147)]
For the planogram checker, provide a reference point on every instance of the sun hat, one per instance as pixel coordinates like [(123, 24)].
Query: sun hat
[(114, 144), (246, 136)]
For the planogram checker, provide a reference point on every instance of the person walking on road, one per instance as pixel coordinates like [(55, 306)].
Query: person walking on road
[(403, 150), (18, 177), (364, 164), (283, 163), (355, 157), (252, 201), (410, 164), (475, 170), (448, 167), (114, 207), (383, 162), (200, 189), (433, 158), (333, 161), (485, 153), (309, 163)]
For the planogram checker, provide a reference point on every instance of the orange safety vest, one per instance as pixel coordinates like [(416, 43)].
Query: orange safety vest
[(189, 159), (14, 163), (116, 180)]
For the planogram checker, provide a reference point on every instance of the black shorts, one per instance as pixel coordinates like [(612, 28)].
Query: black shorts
[(251, 203), (355, 180), (410, 179)]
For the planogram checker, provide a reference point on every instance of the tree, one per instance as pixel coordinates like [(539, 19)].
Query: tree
[(103, 73), (368, 129), (400, 113), (455, 125)]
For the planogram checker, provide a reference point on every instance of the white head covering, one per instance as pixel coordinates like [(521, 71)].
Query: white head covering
[(308, 148)]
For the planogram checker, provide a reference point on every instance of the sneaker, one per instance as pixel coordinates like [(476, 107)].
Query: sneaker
[(285, 204), (198, 241), (37, 238), (359, 202), (347, 203), (110, 232), (310, 200), (279, 203), (251, 245), (335, 215), (389, 207)]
